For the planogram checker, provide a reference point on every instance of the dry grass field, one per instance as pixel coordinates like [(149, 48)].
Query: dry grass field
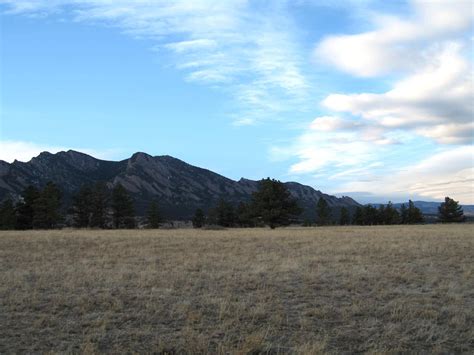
[(292, 290)]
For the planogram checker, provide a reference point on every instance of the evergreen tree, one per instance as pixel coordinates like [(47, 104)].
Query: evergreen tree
[(224, 213), (123, 213), (403, 214), (243, 215), (46, 207), (273, 203), (211, 218), (98, 206), (153, 217), (358, 217), (323, 212), (449, 211), (25, 208), (82, 204), (199, 218), (370, 215), (391, 215), (414, 213), (344, 219), (7, 215), (381, 215)]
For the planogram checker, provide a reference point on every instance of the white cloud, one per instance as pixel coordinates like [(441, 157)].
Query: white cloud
[(450, 172), (396, 44), (437, 101), (432, 98), (24, 151)]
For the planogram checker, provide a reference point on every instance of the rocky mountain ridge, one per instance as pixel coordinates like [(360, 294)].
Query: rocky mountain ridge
[(179, 187)]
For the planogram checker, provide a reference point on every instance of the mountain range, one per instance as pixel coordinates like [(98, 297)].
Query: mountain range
[(178, 187), (431, 208)]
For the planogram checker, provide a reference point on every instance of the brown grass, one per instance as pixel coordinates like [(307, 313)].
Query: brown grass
[(303, 290)]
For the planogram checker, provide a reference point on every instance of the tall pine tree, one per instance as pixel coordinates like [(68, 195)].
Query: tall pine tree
[(82, 205), (244, 216), (199, 218), (414, 213), (153, 216), (224, 212), (123, 213), (323, 212), (99, 203), (7, 215), (358, 217), (47, 207), (450, 212), (25, 208), (272, 202), (403, 214), (391, 215), (370, 215), (344, 219)]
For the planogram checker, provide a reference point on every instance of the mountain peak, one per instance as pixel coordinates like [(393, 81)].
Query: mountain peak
[(179, 187), (140, 157)]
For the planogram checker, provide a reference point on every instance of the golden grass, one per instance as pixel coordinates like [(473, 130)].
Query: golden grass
[(303, 290)]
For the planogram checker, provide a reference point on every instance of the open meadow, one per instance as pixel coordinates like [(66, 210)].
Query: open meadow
[(296, 290)]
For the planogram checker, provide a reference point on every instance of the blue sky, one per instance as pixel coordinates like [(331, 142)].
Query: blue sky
[(364, 98)]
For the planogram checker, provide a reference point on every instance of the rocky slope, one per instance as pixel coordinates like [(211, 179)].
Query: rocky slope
[(179, 187)]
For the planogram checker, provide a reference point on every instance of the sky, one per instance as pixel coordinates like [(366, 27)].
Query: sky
[(371, 99)]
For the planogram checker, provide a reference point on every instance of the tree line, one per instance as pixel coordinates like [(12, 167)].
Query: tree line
[(272, 205), (96, 206), (93, 206)]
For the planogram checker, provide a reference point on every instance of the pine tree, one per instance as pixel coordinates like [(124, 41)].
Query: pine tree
[(272, 202), (403, 214), (99, 201), (25, 208), (123, 213), (153, 217), (391, 215), (358, 218), (46, 207), (370, 215), (224, 213), (381, 215), (344, 218), (82, 204), (450, 212), (199, 218), (323, 212), (414, 213), (243, 215), (7, 215)]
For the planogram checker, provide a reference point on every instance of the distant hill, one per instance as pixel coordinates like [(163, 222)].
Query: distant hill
[(179, 187), (428, 207)]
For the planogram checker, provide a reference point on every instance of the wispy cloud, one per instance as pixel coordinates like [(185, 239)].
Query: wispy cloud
[(254, 56)]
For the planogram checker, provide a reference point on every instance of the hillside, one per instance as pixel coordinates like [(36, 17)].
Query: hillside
[(179, 187)]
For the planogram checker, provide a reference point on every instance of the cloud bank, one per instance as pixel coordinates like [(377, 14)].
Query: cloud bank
[(425, 58)]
